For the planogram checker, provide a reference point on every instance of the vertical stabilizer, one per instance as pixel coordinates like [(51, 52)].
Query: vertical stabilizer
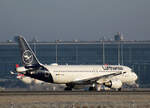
[(27, 55)]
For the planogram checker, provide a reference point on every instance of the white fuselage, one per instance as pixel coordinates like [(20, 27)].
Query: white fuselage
[(63, 74)]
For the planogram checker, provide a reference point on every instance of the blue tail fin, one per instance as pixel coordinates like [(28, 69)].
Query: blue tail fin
[(27, 55)]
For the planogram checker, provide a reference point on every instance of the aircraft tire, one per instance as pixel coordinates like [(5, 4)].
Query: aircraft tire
[(119, 89), (68, 89), (91, 89)]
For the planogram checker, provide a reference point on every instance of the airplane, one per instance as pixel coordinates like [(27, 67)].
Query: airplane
[(95, 76)]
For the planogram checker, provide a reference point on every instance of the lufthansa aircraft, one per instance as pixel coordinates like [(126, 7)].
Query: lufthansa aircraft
[(95, 76)]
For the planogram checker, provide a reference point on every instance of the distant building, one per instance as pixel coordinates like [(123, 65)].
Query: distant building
[(118, 37)]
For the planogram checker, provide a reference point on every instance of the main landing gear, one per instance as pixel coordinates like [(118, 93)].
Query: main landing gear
[(92, 89), (69, 87)]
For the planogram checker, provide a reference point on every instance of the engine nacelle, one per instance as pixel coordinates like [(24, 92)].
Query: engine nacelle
[(115, 84)]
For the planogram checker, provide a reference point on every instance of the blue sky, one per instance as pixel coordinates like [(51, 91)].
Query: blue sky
[(50, 20)]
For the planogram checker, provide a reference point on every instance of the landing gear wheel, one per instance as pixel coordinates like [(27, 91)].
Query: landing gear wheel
[(92, 89), (119, 89), (68, 89)]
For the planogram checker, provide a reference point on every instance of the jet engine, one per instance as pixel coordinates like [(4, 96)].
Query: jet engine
[(114, 83)]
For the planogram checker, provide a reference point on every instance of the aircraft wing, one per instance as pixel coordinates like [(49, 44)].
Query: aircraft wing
[(104, 78)]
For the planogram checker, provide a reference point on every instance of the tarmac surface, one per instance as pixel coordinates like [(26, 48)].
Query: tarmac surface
[(75, 99), (15, 93)]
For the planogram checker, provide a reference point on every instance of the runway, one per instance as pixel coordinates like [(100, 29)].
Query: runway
[(3, 93), (74, 99)]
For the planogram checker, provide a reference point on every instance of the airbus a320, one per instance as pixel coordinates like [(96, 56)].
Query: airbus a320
[(95, 76)]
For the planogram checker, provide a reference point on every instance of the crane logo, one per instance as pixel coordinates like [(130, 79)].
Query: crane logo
[(27, 57)]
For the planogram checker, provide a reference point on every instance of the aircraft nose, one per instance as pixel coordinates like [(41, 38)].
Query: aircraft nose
[(135, 76)]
